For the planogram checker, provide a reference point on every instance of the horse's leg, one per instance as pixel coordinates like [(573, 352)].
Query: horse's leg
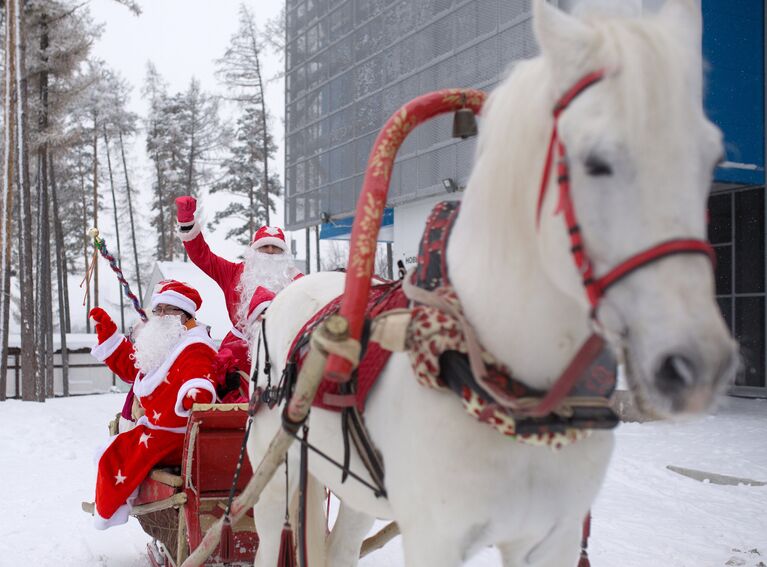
[(424, 548), (269, 513), (558, 549), (347, 535)]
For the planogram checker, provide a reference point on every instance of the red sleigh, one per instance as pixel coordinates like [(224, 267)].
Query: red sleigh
[(177, 506)]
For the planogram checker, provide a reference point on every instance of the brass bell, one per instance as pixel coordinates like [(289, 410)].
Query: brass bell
[(464, 123)]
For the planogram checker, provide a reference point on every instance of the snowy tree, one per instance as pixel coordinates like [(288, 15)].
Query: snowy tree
[(157, 147), (184, 135), (243, 178), (241, 70), (50, 152), (121, 124)]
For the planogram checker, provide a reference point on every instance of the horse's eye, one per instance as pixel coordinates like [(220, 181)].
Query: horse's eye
[(595, 166)]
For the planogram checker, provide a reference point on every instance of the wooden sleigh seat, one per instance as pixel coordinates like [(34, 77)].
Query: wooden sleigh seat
[(177, 506)]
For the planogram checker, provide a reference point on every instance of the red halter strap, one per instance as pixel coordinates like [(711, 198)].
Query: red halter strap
[(596, 287)]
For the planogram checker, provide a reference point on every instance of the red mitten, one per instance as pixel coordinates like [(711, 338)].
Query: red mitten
[(105, 327), (196, 396), (261, 299), (185, 208)]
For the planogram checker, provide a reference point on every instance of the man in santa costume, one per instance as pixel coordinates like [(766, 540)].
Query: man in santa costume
[(266, 264), (170, 366)]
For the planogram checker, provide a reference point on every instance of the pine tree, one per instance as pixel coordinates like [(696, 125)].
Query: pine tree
[(241, 71), (184, 134), (243, 177)]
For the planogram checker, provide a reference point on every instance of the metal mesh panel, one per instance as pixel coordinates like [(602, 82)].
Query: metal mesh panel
[(341, 126), (363, 147), (464, 157), (510, 11), (352, 63), (487, 15)]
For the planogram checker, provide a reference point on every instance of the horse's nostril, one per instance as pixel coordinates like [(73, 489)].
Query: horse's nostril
[(675, 373)]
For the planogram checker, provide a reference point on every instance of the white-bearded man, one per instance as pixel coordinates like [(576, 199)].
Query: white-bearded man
[(170, 366), (266, 264)]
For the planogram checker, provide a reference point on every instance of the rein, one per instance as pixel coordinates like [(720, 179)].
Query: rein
[(596, 287)]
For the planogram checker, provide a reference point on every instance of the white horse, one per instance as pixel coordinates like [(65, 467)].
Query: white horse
[(641, 153)]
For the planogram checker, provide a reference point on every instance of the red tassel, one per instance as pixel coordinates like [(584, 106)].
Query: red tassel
[(226, 548), (287, 557), (584, 560)]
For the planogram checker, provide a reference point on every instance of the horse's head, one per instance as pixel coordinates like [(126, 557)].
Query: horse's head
[(640, 154)]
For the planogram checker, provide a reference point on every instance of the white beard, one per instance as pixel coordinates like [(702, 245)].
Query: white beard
[(272, 271), (155, 340)]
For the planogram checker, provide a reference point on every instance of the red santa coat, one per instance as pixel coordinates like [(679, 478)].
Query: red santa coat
[(159, 435), (227, 275)]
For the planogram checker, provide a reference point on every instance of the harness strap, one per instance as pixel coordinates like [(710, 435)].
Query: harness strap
[(594, 287), (432, 299), (558, 392), (676, 246), (303, 477)]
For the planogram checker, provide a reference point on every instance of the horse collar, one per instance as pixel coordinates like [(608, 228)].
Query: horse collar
[(596, 287), (442, 355)]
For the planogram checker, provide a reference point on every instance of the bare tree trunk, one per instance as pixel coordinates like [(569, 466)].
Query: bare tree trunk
[(85, 251), (160, 199), (95, 204), (117, 224), (6, 212), (32, 388), (251, 211), (61, 272), (130, 212), (265, 137), (190, 173), (44, 296)]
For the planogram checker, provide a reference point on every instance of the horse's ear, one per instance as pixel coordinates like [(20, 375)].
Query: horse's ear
[(561, 36), (685, 16)]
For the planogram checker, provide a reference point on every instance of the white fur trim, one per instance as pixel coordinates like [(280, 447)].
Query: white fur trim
[(106, 349), (120, 516), (258, 309), (273, 240), (176, 299), (191, 234), (237, 333), (125, 425), (199, 383), (143, 386)]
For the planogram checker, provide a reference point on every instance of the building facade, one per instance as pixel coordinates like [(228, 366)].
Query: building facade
[(351, 63)]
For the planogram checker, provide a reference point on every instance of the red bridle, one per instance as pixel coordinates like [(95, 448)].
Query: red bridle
[(597, 286)]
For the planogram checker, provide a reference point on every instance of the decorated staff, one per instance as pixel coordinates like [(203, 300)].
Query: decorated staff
[(101, 246)]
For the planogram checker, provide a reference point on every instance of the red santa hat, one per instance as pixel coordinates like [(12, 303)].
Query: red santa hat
[(178, 294), (269, 235), (262, 298)]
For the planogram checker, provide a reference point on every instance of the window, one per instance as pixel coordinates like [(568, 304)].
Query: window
[(736, 230)]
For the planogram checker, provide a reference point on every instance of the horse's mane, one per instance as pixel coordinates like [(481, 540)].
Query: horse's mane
[(654, 81)]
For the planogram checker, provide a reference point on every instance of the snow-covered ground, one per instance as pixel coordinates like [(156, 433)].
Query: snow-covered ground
[(646, 515)]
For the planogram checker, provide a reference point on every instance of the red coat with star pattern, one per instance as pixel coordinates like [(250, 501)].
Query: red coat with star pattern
[(166, 395)]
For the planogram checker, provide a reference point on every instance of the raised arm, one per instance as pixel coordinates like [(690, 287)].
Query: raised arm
[(113, 349), (189, 230)]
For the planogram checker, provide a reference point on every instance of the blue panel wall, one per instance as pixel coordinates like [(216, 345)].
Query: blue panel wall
[(733, 45), (341, 229)]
